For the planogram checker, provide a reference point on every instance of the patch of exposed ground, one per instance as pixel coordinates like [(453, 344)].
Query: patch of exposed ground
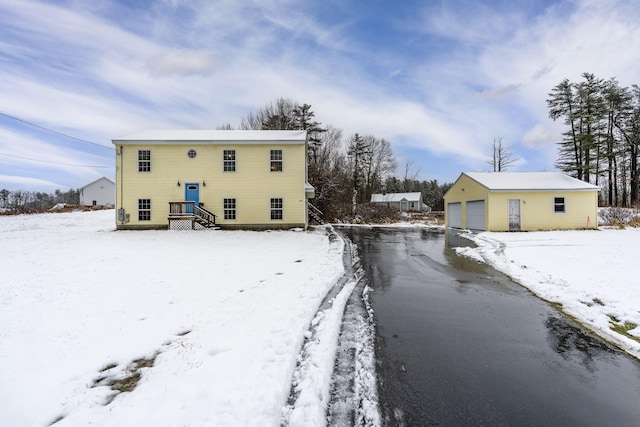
[(124, 380), (623, 328)]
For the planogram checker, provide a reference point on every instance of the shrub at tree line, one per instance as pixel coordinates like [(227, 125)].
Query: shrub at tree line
[(30, 201)]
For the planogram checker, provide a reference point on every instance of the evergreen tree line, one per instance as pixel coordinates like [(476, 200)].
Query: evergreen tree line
[(344, 170), (601, 142), (35, 201)]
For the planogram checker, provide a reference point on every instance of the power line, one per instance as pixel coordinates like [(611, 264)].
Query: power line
[(56, 132), (54, 163)]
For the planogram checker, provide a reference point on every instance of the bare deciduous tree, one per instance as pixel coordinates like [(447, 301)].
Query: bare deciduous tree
[(502, 156), (278, 115)]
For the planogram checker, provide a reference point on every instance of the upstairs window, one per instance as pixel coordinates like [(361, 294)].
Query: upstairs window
[(229, 160), (276, 160), (559, 204), (276, 209), (144, 209), (144, 160)]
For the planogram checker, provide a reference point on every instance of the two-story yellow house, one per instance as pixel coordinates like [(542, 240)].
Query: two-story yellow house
[(246, 179)]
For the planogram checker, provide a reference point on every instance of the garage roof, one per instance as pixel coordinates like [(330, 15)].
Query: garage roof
[(529, 181)]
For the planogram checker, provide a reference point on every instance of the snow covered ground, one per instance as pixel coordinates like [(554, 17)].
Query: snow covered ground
[(205, 327), (593, 274)]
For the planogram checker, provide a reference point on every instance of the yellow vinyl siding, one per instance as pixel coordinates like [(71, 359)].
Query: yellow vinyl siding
[(252, 184), (536, 206), (466, 190), (537, 213)]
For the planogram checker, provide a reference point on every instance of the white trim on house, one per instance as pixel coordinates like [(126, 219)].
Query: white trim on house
[(197, 136)]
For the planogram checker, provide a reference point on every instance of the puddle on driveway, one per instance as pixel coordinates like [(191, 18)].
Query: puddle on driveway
[(458, 343)]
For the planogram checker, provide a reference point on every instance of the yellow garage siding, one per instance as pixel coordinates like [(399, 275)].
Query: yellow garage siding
[(252, 184), (465, 190), (536, 204), (537, 210)]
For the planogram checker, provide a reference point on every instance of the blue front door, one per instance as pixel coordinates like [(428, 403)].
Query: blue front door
[(192, 194)]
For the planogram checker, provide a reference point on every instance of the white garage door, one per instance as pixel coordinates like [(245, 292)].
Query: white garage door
[(454, 215), (475, 215)]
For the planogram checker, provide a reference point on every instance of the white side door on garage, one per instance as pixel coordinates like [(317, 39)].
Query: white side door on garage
[(454, 215), (475, 215)]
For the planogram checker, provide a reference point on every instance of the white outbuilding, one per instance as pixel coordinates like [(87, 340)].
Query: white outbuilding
[(101, 192), (404, 202)]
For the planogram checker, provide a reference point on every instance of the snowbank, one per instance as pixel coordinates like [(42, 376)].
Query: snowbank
[(204, 327), (593, 274)]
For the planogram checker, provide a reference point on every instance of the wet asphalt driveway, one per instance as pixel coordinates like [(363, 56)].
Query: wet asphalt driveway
[(459, 344)]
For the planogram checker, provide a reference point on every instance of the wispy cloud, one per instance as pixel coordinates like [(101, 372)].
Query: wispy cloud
[(182, 62), (442, 78)]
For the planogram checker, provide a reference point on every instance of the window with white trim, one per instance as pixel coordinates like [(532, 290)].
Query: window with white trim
[(229, 208), (277, 208), (144, 160), (229, 160), (559, 204), (144, 209), (276, 160)]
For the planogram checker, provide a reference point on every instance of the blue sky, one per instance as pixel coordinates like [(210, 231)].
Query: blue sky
[(439, 79)]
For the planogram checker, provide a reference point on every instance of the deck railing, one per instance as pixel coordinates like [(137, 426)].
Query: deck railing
[(315, 213), (207, 216), (189, 211)]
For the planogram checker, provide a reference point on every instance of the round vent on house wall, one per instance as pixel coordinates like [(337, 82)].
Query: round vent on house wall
[(191, 154)]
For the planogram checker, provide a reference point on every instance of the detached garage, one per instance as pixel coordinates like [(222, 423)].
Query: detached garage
[(521, 201)]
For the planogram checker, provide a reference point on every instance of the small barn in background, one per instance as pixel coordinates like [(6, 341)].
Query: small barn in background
[(101, 192), (404, 202), (521, 201)]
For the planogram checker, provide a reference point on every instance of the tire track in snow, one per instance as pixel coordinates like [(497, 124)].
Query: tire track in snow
[(334, 381)]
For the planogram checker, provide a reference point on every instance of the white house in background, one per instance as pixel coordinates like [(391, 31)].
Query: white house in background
[(404, 202), (101, 192)]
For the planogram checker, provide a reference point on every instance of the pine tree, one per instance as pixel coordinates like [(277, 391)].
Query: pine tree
[(561, 103)]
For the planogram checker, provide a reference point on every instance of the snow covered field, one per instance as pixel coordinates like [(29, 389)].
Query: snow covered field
[(208, 323), (593, 274), (205, 328)]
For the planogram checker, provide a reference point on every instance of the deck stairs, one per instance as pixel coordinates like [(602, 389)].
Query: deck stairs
[(315, 214), (186, 215)]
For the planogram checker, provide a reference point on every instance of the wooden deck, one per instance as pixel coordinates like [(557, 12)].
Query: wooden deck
[(186, 214)]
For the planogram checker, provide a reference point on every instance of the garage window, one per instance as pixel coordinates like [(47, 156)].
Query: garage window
[(559, 204)]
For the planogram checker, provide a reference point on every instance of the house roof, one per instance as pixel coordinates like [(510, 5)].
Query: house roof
[(198, 136), (528, 181), (99, 179), (396, 197)]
